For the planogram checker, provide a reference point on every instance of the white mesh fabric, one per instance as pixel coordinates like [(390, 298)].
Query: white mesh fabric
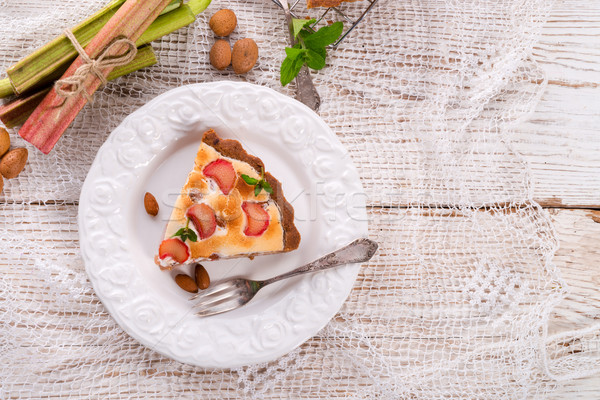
[(424, 95)]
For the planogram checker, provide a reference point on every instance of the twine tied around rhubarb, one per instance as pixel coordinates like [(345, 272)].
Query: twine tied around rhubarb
[(74, 85)]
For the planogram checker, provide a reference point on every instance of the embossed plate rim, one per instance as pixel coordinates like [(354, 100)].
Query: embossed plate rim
[(133, 145)]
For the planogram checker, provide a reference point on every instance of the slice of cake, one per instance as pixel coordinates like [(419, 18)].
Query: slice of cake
[(229, 207), (324, 3)]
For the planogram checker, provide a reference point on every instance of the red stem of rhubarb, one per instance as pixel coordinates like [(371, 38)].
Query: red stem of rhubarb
[(16, 112), (54, 115)]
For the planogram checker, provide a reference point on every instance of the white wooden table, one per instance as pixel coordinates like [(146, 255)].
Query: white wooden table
[(561, 141)]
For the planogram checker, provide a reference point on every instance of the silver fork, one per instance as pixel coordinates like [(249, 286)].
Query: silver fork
[(234, 293)]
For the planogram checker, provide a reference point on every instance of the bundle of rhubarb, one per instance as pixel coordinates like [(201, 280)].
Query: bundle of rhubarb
[(46, 113)]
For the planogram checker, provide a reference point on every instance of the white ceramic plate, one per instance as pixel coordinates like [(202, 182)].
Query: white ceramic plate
[(153, 150)]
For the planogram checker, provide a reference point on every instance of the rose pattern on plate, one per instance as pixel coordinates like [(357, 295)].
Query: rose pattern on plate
[(295, 133), (282, 326), (268, 109), (271, 334), (147, 314)]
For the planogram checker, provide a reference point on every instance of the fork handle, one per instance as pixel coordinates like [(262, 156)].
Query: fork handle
[(360, 250), (306, 91)]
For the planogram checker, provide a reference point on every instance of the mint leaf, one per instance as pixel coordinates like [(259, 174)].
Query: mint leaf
[(321, 51), (249, 180), (192, 235), (325, 36), (309, 50), (289, 69), (185, 234), (179, 232), (259, 184), (267, 186), (294, 53), (315, 60), (298, 24), (304, 34), (286, 73)]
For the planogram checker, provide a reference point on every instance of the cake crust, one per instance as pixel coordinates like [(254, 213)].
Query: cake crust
[(233, 149)]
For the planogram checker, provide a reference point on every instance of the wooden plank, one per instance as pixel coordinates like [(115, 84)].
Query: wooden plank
[(327, 371), (559, 139), (579, 262), (578, 258)]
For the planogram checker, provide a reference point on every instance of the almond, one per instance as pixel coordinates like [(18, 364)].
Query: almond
[(4, 141), (1, 183), (244, 55), (13, 162), (220, 55), (150, 204), (202, 278), (186, 283), (223, 22)]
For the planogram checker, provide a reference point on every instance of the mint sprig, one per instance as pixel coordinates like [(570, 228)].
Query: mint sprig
[(299, 24), (259, 184), (310, 49), (186, 233)]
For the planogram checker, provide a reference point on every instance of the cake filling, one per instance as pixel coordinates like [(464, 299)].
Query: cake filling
[(228, 218)]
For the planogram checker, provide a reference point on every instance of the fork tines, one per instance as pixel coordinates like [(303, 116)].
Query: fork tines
[(215, 288), (222, 297)]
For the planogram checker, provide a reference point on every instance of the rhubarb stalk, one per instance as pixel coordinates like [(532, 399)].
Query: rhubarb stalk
[(5, 88), (36, 69), (17, 111), (54, 115)]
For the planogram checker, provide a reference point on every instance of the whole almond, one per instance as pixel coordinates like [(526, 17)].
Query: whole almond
[(202, 278), (220, 54), (150, 204), (186, 283), (13, 162), (4, 141), (223, 22), (244, 55)]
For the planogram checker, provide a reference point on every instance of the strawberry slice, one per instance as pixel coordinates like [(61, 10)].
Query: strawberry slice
[(223, 173), (175, 249), (258, 219), (204, 219)]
